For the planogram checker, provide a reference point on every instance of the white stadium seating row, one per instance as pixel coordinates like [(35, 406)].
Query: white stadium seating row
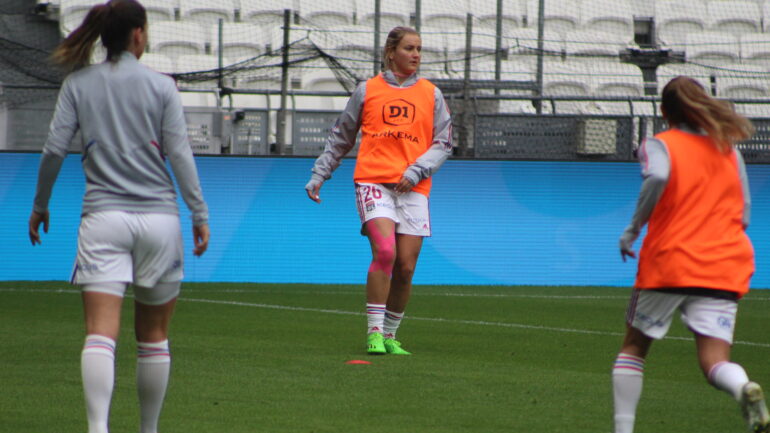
[(731, 35)]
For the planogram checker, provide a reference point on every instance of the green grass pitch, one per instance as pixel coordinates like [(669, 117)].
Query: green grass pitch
[(272, 358)]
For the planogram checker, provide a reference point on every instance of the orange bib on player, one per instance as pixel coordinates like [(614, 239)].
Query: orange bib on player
[(695, 235), (396, 129)]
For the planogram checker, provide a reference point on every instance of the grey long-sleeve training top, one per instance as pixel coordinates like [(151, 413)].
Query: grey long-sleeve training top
[(131, 120), (656, 168), (343, 135)]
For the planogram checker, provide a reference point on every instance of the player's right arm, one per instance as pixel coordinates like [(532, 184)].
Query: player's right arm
[(342, 138), (63, 127), (656, 168)]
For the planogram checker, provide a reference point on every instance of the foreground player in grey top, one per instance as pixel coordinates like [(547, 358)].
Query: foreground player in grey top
[(131, 120)]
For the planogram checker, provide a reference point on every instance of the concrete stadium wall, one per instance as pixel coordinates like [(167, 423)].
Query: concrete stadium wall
[(494, 223)]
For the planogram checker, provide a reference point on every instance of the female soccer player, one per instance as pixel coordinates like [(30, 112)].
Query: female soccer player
[(696, 257), (131, 120), (406, 134)]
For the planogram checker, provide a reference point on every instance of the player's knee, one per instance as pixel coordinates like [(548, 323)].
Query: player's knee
[(384, 255), (404, 270)]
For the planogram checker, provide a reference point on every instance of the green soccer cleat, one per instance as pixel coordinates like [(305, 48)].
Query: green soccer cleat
[(375, 344), (754, 408), (394, 347)]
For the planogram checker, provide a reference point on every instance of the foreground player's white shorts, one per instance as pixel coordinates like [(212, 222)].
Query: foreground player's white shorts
[(140, 248), (651, 312), (410, 211)]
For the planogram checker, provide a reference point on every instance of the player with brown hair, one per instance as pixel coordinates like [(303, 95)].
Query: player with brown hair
[(131, 120), (696, 257)]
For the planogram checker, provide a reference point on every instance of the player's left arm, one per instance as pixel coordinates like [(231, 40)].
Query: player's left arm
[(745, 188), (441, 148)]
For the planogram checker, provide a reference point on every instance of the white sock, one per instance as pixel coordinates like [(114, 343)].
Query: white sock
[(627, 377), (375, 317), (728, 377), (97, 364), (392, 321), (153, 365)]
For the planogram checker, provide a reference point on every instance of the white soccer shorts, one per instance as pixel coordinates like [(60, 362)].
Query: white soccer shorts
[(410, 211), (140, 248), (651, 312)]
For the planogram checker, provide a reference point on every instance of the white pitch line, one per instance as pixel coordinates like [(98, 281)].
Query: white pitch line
[(455, 321), (424, 319)]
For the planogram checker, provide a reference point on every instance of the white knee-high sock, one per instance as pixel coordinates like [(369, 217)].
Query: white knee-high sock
[(375, 316), (391, 324), (728, 377), (627, 378), (153, 366), (97, 364)]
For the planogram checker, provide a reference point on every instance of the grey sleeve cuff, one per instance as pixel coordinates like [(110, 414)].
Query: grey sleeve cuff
[(200, 219), (413, 174)]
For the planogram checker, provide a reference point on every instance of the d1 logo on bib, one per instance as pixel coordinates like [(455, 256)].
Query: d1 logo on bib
[(398, 112)]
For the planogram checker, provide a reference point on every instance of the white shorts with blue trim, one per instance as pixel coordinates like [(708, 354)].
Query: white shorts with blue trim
[(127, 247), (410, 211), (651, 311)]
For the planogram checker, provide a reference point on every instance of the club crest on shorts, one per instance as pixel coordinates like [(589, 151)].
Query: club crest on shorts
[(370, 206), (398, 112)]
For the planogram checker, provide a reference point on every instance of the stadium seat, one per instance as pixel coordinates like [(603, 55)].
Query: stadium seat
[(351, 43), (434, 50), (742, 87), (712, 48), (299, 38), (482, 47), (266, 12), (393, 13), (753, 111), (446, 14), (566, 79), (614, 17), (586, 44), (612, 78), (175, 38), (616, 79), (196, 63), (206, 12), (666, 73), (735, 17), (238, 39), (516, 106), (160, 10), (72, 13), (741, 81), (509, 71), (755, 48), (485, 13), (323, 14), (158, 62), (321, 79), (560, 16), (766, 16), (676, 19), (524, 41), (199, 99)]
